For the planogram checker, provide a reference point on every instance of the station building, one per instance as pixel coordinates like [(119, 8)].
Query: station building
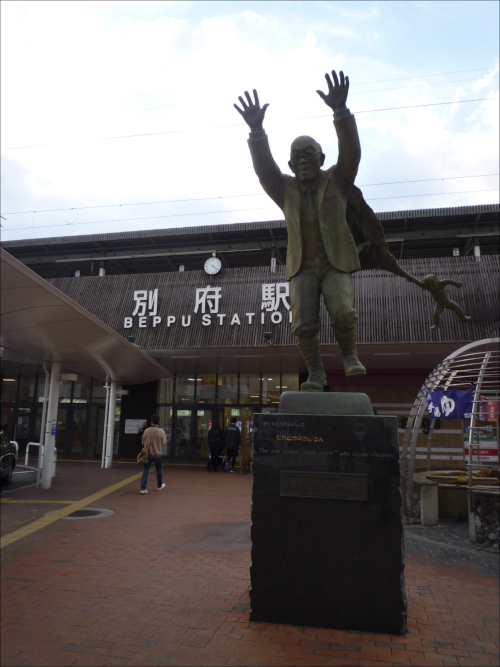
[(211, 305)]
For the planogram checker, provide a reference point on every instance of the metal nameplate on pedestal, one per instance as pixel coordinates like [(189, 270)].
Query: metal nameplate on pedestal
[(330, 486)]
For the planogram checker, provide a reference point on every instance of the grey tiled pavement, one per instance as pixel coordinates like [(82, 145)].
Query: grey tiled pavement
[(449, 544)]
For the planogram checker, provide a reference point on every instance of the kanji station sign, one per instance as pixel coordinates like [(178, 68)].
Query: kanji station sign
[(208, 304)]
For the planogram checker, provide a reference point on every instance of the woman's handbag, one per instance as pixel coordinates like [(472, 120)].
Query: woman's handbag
[(143, 457)]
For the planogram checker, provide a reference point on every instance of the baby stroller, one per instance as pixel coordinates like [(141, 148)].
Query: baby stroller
[(220, 461)]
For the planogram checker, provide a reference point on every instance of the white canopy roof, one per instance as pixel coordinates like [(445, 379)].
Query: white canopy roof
[(40, 323)]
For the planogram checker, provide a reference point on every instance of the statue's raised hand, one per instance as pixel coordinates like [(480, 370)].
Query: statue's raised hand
[(337, 94), (252, 113)]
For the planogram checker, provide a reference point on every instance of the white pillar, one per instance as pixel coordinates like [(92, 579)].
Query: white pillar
[(51, 426), (111, 425), (105, 429)]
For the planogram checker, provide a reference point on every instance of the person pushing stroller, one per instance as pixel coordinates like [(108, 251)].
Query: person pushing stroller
[(215, 442), (232, 443)]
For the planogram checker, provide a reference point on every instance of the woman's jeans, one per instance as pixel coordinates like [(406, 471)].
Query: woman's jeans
[(145, 474)]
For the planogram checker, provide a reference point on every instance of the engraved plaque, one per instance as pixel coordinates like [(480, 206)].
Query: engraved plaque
[(331, 486)]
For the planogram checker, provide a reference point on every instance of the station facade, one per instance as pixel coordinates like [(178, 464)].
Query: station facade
[(224, 337)]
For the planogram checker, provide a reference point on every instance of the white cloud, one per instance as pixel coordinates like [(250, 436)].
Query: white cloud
[(69, 78), (487, 79)]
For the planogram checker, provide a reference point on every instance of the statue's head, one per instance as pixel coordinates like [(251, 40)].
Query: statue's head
[(306, 159), (431, 281)]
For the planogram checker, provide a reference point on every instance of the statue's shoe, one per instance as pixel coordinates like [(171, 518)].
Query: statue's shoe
[(353, 366), (315, 382)]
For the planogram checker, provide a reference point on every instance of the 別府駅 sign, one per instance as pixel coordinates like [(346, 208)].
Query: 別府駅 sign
[(207, 304)]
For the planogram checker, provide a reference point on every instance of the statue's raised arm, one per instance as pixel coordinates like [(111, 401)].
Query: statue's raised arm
[(336, 96), (268, 172), (252, 113)]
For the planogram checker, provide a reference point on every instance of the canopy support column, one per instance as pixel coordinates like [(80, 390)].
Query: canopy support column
[(51, 426), (110, 436), (43, 424)]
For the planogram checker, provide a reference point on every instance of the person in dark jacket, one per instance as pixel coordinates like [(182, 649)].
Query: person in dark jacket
[(232, 442), (138, 437), (215, 439)]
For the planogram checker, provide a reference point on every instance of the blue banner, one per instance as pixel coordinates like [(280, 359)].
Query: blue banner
[(451, 404)]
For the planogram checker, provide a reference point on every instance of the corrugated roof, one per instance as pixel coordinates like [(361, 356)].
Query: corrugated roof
[(439, 212), (243, 226)]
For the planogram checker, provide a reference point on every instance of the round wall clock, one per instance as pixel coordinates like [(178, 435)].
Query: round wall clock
[(212, 266)]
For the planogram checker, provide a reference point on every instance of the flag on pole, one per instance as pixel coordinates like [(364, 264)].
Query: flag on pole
[(451, 404)]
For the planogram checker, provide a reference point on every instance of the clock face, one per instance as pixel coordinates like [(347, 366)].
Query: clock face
[(213, 265)]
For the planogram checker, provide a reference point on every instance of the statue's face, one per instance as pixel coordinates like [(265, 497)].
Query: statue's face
[(306, 159)]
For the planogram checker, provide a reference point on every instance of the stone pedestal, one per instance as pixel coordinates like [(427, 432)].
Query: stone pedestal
[(324, 403), (327, 535)]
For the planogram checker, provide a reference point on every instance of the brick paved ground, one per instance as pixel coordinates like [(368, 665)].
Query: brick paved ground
[(164, 581)]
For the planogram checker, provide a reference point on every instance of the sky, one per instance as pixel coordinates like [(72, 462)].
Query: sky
[(118, 116)]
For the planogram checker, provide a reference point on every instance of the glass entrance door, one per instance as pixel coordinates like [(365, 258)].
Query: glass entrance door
[(96, 431), (244, 421), (61, 432), (183, 445), (204, 421), (78, 432), (191, 431)]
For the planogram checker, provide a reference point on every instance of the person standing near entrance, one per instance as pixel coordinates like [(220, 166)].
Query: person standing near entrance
[(138, 437), (215, 438), (153, 441), (232, 442)]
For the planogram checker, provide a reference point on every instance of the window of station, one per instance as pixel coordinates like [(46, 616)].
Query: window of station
[(270, 388), (289, 382), (227, 389), (27, 387), (165, 390), (98, 391), (40, 388), (205, 388), (9, 388), (249, 389), (81, 390), (184, 388), (65, 387)]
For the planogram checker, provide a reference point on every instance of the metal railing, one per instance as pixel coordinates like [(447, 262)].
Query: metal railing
[(40, 460), (474, 365), (13, 442), (31, 444)]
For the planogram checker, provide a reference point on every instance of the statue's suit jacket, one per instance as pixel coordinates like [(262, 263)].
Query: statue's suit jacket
[(334, 187)]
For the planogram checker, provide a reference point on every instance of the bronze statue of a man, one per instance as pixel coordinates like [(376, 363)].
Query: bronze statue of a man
[(321, 252)]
